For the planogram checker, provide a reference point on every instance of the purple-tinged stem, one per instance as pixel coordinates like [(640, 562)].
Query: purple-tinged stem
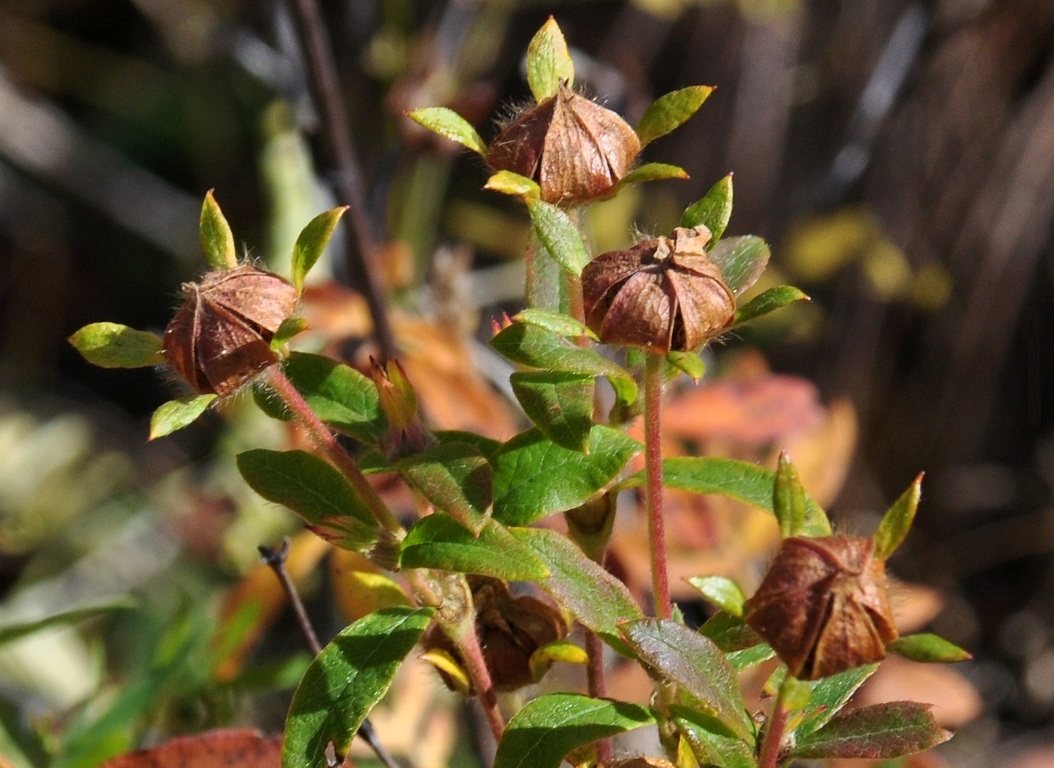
[(774, 729), (660, 580)]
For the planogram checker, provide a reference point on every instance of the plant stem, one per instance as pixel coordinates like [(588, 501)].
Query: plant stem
[(327, 441), (336, 145), (777, 724), (275, 559), (653, 381), (597, 685)]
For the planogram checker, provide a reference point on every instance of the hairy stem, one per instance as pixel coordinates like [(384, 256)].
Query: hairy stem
[(324, 438), (774, 729), (660, 580), (337, 148), (275, 559), (598, 685)]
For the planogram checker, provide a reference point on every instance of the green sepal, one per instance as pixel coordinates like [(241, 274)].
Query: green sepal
[(670, 111), (548, 62), (312, 242), (449, 124), (215, 236), (112, 345), (176, 414)]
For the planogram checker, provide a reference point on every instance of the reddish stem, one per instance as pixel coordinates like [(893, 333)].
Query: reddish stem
[(598, 686), (777, 724), (653, 381), (324, 438)]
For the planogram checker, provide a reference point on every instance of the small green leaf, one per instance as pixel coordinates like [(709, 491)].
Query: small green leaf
[(728, 477), (485, 445), (111, 345), (711, 745), (312, 242), (721, 592), (592, 595), (14, 630), (796, 694), (538, 348), (217, 240), (788, 498), (699, 668), (514, 185), (289, 328), (455, 477), (559, 235), (653, 172), (742, 645), (439, 541), (768, 301), (670, 111), (928, 648), (345, 681), (176, 414), (741, 260), (559, 404), (897, 521), (829, 695), (712, 211), (548, 62), (554, 322), (313, 489), (448, 123), (339, 395), (688, 362), (534, 477), (877, 732)]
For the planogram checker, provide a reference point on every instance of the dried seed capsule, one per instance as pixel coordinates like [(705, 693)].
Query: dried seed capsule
[(662, 294), (824, 605), (220, 337), (575, 149)]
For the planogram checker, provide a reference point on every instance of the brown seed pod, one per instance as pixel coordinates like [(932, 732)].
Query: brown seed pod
[(220, 337), (574, 148), (662, 294), (510, 630), (824, 605)]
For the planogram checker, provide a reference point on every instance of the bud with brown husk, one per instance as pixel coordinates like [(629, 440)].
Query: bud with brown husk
[(575, 149), (221, 337), (824, 605), (662, 295)]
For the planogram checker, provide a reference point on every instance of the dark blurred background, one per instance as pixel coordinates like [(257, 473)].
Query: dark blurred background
[(898, 156)]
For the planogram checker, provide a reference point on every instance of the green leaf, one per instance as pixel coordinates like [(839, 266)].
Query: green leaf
[(542, 733), (217, 240), (877, 732), (712, 211), (592, 595), (539, 348), (768, 301), (788, 498), (455, 477), (741, 260), (735, 479), (928, 648), (535, 477), (548, 62), (345, 681), (741, 645), (313, 489), (653, 172), (485, 445), (688, 362), (339, 395), (439, 541), (312, 243), (111, 345), (897, 521), (559, 404), (289, 328), (692, 661), (670, 111), (448, 123), (554, 322), (513, 184), (721, 592), (559, 235), (176, 414), (14, 630), (829, 695), (711, 745)]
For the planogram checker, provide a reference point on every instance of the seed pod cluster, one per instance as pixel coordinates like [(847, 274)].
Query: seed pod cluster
[(575, 149), (660, 295), (220, 337), (824, 605)]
